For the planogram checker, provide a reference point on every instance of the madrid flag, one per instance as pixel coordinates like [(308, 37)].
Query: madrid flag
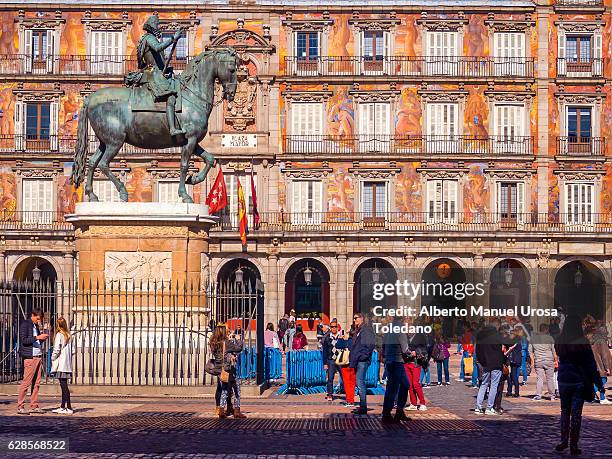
[(217, 196), (242, 216)]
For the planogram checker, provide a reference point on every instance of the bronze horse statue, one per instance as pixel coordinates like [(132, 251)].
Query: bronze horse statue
[(114, 123)]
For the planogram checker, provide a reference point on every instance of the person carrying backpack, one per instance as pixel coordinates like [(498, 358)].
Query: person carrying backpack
[(441, 355)]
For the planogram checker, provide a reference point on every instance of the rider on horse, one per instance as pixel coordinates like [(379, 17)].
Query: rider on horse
[(153, 64)]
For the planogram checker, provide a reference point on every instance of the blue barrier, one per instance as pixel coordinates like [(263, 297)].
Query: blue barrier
[(305, 374), (246, 365)]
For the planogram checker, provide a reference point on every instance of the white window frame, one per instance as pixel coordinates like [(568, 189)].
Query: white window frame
[(374, 131), (307, 127), (169, 196), (105, 190), (38, 202), (443, 135), (20, 118), (231, 210), (521, 201), (304, 71), (435, 193), (103, 62), (438, 62), (387, 53), (583, 212), (597, 53), (386, 201), (508, 123), (306, 202), (509, 53), (51, 52)]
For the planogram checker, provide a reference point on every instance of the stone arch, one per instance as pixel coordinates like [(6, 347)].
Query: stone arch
[(304, 297), (24, 263), (363, 283), (220, 263), (226, 274), (580, 288)]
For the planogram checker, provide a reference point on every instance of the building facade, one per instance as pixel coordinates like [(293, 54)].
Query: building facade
[(383, 137)]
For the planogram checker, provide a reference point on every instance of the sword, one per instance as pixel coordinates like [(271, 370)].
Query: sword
[(170, 55)]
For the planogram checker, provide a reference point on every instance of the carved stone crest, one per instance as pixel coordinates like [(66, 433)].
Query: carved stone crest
[(137, 266), (240, 112)]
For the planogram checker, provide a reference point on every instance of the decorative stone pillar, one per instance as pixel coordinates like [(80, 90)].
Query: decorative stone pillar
[(273, 310), (2, 266), (479, 277), (341, 309)]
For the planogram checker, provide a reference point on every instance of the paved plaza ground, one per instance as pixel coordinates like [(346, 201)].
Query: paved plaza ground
[(292, 426)]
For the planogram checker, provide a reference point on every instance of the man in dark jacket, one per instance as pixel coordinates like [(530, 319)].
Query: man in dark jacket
[(490, 356), (30, 343), (329, 341), (364, 342)]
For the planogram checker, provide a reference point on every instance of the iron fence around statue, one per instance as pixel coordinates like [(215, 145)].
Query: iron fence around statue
[(126, 333)]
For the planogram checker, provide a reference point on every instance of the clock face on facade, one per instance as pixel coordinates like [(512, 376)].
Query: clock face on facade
[(443, 270)]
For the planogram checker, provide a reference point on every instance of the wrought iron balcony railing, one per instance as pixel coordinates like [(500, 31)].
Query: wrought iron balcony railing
[(331, 222), (23, 64), (54, 144), (393, 144), (581, 146), (459, 66), (579, 3), (580, 68), (17, 220)]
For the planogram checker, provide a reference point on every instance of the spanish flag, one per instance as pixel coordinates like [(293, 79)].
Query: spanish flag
[(242, 215)]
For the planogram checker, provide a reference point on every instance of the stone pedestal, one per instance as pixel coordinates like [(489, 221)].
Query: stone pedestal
[(134, 241)]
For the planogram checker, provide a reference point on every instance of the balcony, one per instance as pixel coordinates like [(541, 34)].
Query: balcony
[(351, 222), (579, 3), (22, 64), (407, 66), (581, 146), (580, 68), (55, 145), (16, 220), (416, 145)]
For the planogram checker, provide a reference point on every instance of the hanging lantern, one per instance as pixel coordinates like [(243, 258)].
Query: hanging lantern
[(578, 277), (36, 273), (375, 274), (239, 275), (508, 275), (308, 275)]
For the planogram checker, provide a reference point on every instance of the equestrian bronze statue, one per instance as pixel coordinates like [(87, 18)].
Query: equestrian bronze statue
[(132, 114)]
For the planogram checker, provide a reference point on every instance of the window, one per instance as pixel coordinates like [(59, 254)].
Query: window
[(36, 125), (306, 127), (307, 52), (442, 127), (37, 201), (510, 201), (508, 129), (374, 50), (306, 202), (442, 201), (106, 49), (167, 191), (374, 126), (230, 212), (579, 129), (38, 120), (509, 53), (580, 55), (374, 199), (579, 203), (105, 191), (179, 58), (441, 53), (38, 50)]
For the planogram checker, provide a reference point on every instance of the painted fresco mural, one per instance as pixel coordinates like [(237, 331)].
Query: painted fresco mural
[(8, 191), (408, 193), (341, 190), (476, 196)]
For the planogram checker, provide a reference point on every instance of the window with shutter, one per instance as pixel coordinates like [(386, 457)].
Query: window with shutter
[(306, 127), (106, 191), (230, 213), (374, 199), (442, 127), (510, 202), (179, 58), (374, 50), (579, 127), (508, 128), (37, 201), (509, 53), (38, 125), (20, 117), (374, 127), (306, 46), (442, 201), (442, 53), (306, 202), (106, 52), (167, 191), (579, 53), (579, 203)]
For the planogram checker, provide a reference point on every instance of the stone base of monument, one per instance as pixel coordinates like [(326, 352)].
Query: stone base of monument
[(140, 242)]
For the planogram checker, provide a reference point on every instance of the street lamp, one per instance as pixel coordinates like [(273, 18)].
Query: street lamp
[(375, 274), (578, 277), (36, 273), (308, 275), (239, 275), (508, 275)]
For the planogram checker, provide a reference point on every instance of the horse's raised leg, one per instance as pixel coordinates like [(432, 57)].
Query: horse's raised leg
[(208, 158), (186, 153), (93, 163), (109, 154)]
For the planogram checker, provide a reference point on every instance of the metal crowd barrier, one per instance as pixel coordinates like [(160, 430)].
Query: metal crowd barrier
[(246, 366), (305, 374)]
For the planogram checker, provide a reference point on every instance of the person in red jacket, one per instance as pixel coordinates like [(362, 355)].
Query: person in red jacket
[(299, 339), (468, 350)]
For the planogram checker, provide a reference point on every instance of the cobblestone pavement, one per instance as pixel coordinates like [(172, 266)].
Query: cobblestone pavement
[(305, 426)]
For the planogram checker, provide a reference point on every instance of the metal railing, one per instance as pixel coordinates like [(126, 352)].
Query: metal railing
[(330, 222), (126, 333), (460, 66), (581, 146), (18, 220), (409, 144), (54, 144), (569, 67), (579, 3)]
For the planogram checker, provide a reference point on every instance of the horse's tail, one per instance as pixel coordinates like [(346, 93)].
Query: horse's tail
[(80, 152)]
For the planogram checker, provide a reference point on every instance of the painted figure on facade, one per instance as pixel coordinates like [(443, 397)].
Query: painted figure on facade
[(130, 114), (156, 72)]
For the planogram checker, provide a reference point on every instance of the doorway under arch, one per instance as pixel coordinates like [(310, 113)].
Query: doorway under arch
[(368, 273), (26, 271), (580, 288), (307, 289), (239, 267), (509, 285)]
